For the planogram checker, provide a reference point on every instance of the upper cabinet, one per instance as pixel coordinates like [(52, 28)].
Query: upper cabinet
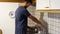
[(55, 4), (42, 4), (47, 4)]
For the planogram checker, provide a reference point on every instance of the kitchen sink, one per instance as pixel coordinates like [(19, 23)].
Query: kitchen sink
[(36, 30)]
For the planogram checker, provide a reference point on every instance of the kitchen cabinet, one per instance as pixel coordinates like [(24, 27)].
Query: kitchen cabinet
[(48, 5), (42, 4), (55, 4)]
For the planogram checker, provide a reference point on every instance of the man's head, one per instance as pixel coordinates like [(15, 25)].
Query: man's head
[(27, 3)]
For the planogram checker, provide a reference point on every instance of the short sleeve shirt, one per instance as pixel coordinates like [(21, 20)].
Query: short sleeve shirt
[(21, 16)]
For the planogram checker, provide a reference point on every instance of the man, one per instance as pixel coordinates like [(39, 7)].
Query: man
[(21, 16)]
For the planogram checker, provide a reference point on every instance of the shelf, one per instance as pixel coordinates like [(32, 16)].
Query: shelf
[(50, 10)]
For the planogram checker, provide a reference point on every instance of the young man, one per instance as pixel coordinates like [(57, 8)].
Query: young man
[(21, 16)]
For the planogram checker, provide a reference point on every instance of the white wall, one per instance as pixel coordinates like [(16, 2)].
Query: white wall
[(7, 24)]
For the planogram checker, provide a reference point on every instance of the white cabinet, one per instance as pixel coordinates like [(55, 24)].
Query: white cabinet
[(7, 23), (55, 4), (42, 4), (47, 4)]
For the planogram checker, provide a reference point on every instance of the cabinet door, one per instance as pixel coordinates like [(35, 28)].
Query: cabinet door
[(55, 4), (42, 4), (7, 22)]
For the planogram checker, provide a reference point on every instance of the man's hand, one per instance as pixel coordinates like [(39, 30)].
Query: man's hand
[(42, 25)]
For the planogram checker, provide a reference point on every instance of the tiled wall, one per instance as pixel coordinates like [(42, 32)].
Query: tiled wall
[(33, 12), (53, 21)]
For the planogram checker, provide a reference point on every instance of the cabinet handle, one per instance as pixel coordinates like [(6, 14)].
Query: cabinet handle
[(46, 7)]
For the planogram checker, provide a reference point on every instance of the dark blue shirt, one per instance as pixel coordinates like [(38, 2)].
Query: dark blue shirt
[(21, 16)]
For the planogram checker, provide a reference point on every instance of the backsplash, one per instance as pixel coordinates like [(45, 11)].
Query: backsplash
[(53, 20)]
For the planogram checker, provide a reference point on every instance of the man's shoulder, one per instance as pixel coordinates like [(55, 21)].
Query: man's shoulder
[(21, 8)]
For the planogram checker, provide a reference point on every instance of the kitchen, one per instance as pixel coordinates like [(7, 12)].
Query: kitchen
[(46, 10)]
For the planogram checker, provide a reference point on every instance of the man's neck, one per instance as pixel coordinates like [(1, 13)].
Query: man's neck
[(22, 5)]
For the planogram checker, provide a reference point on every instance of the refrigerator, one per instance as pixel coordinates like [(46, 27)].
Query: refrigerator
[(7, 17)]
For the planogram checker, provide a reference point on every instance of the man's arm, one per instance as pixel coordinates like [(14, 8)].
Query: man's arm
[(42, 25)]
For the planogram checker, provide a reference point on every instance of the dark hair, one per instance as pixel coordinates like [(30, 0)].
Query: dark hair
[(29, 1)]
